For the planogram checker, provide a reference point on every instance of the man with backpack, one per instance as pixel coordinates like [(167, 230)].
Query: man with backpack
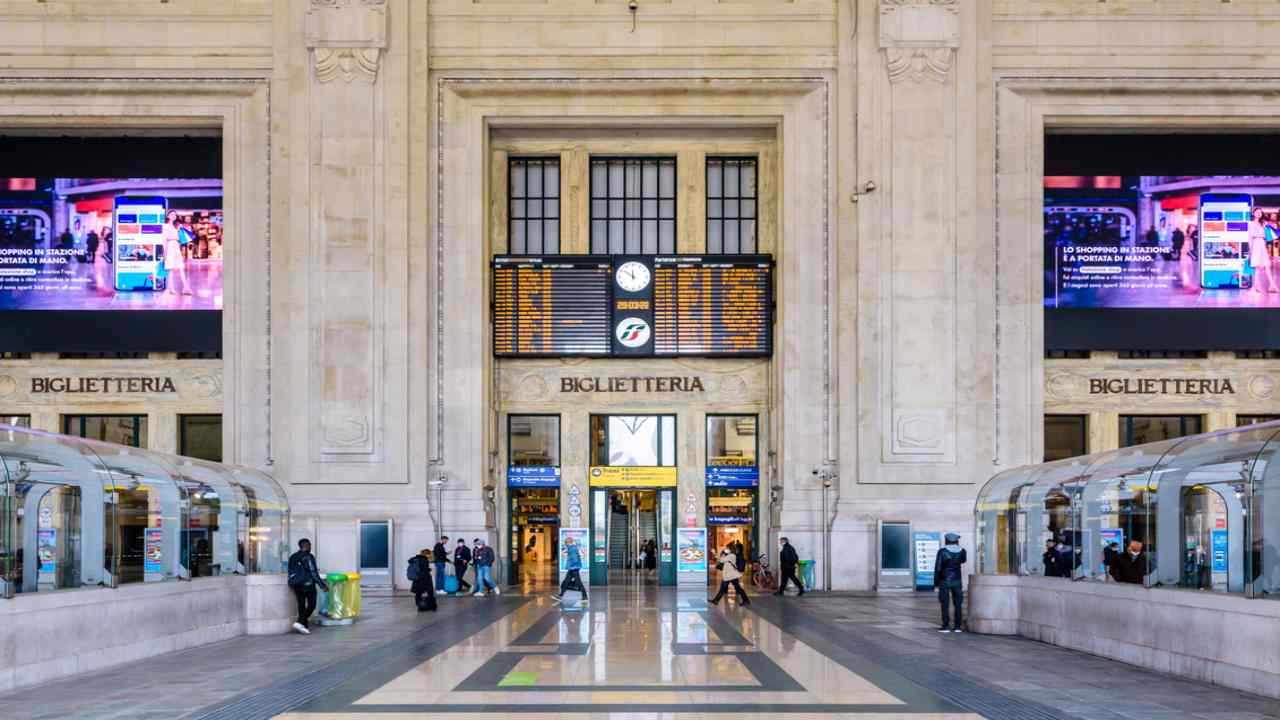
[(949, 581), (789, 559), (304, 576), (484, 558), (420, 575), (461, 559), (440, 556)]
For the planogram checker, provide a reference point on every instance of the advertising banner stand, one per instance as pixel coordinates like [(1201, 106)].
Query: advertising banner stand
[(580, 538), (691, 557), (926, 546)]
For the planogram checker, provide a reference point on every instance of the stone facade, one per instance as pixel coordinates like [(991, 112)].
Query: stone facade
[(900, 141)]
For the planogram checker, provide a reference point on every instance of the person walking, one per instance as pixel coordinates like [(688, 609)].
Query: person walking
[(440, 556), (573, 569), (789, 560), (1052, 560), (420, 575), (484, 557), (729, 575), (461, 559), (304, 576), (949, 582)]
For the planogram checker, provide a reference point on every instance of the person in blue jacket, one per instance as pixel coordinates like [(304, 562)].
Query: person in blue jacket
[(573, 569)]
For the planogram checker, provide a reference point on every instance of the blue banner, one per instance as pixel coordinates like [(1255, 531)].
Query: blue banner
[(1219, 544), (533, 476), (728, 520), (733, 476)]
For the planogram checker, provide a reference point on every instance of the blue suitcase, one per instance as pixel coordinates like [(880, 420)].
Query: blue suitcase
[(451, 583)]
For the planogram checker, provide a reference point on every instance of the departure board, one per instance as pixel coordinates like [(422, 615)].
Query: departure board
[(552, 306), (597, 305), (713, 305)]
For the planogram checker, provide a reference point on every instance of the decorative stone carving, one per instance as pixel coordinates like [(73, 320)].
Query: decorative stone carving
[(919, 432), (205, 385), (347, 431), (346, 38), (1063, 386), (1262, 387), (919, 64), (8, 385)]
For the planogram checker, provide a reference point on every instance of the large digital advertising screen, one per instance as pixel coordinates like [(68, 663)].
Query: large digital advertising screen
[(1162, 241), (1156, 241), (112, 241), (110, 244)]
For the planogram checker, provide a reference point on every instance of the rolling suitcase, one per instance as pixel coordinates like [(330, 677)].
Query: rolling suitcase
[(450, 582)]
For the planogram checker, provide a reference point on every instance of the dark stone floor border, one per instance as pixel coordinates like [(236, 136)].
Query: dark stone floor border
[(869, 653)]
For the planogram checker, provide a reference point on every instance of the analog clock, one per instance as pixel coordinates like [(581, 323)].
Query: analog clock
[(633, 276)]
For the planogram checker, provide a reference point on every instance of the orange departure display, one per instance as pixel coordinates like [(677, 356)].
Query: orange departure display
[(561, 305)]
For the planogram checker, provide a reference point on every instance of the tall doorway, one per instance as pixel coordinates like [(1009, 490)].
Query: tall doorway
[(632, 536), (533, 491)]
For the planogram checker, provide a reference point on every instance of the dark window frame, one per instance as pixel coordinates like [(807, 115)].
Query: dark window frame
[(742, 161), (6, 419), (1254, 418), (1126, 426), (1084, 432), (559, 435), (542, 162), (659, 160), (182, 432), (137, 418)]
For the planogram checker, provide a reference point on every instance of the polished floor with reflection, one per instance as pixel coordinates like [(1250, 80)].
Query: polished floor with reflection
[(636, 651)]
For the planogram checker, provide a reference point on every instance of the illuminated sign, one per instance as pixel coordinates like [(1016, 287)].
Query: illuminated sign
[(609, 476)]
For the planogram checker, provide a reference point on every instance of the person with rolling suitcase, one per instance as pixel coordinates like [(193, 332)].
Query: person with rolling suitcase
[(424, 594)]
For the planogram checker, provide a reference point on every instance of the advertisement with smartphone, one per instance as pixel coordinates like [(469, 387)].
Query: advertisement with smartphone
[(1161, 241), (111, 244)]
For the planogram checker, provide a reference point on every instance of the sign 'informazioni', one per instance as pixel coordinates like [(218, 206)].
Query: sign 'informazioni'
[(631, 384), (102, 385), (1160, 386)]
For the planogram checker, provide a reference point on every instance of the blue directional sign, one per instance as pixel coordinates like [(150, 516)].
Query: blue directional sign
[(533, 476), (732, 476)]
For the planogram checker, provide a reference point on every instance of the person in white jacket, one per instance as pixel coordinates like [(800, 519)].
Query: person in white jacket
[(729, 573)]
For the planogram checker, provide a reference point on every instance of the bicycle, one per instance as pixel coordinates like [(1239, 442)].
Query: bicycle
[(761, 576)]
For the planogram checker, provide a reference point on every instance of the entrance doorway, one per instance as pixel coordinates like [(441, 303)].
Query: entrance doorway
[(632, 535), (535, 536)]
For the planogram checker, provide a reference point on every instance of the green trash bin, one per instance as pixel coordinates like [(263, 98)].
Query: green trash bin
[(806, 573), (341, 604)]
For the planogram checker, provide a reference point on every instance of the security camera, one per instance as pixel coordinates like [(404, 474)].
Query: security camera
[(633, 5), (815, 471)]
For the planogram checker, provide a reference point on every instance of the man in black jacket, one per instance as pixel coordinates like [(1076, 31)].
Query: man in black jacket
[(789, 559), (949, 581), (303, 579), (461, 559), (1131, 566), (440, 556)]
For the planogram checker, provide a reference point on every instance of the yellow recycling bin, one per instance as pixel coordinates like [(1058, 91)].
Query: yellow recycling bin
[(342, 602)]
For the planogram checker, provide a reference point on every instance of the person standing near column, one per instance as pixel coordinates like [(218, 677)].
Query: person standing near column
[(949, 581), (789, 559), (461, 559), (304, 576), (440, 557), (484, 557)]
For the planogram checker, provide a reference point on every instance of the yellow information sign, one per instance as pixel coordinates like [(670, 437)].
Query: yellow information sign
[(607, 476)]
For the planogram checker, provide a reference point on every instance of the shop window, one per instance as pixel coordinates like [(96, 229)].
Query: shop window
[(533, 195), (120, 429), (731, 205), (633, 440), (731, 440), (1242, 420), (214, 355), (633, 206), (1064, 436), (1140, 429), (375, 552), (23, 421), (103, 356), (15, 356), (200, 436), (1257, 354), (533, 440), (1066, 354)]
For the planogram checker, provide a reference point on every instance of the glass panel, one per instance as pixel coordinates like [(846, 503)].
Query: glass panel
[(731, 440), (715, 208), (551, 208), (375, 545), (748, 208), (748, 187), (748, 236), (535, 180), (649, 236), (668, 438), (149, 513), (1139, 429), (22, 421), (895, 546), (633, 440), (715, 242), (715, 171), (731, 180), (200, 436), (551, 180), (534, 239), (1242, 420), (265, 534), (667, 209), (518, 170), (599, 180), (120, 429), (1262, 557), (534, 440), (666, 236), (650, 187), (519, 243), (210, 543), (1064, 437), (617, 180), (731, 244), (551, 241), (667, 179)]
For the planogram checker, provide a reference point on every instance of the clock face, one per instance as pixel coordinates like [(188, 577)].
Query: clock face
[(632, 276)]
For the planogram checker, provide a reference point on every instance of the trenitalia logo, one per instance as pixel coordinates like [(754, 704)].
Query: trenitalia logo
[(633, 332)]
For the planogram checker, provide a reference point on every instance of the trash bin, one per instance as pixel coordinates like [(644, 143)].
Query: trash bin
[(341, 604), (806, 572)]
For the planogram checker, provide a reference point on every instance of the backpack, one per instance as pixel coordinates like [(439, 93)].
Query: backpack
[(414, 571), (742, 563), (297, 571)]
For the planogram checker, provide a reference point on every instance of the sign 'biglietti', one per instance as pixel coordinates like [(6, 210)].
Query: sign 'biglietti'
[(102, 385), (1160, 386), (631, 384)]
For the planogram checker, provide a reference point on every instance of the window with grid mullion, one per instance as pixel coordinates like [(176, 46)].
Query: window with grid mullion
[(534, 217), (633, 205), (731, 205)]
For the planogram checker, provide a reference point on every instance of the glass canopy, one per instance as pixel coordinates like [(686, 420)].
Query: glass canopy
[(80, 513), (1200, 512)]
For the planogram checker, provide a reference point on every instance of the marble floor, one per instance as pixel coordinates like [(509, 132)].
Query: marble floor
[(634, 652)]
